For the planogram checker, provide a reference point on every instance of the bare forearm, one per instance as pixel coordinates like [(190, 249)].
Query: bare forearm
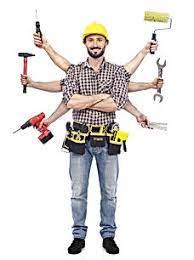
[(61, 110), (79, 102), (59, 60), (138, 86), (53, 86), (106, 105), (129, 107), (133, 64)]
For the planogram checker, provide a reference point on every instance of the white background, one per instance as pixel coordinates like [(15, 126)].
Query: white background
[(155, 192)]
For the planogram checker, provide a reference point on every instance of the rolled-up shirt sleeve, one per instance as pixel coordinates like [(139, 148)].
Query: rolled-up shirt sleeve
[(127, 75), (69, 84), (119, 91)]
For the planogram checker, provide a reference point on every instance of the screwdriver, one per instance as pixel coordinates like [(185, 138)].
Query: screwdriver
[(38, 26)]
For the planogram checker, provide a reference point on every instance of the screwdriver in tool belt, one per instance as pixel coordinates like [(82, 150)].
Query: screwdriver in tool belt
[(38, 26)]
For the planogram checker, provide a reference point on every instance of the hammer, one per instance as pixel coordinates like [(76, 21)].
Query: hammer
[(25, 55)]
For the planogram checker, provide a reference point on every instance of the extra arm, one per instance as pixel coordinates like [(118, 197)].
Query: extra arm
[(140, 117), (138, 86), (60, 111), (58, 60), (53, 86), (133, 64)]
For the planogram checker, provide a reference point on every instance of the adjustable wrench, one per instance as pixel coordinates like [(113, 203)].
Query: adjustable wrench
[(160, 70)]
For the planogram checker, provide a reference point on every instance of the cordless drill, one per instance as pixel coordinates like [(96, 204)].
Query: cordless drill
[(46, 134)]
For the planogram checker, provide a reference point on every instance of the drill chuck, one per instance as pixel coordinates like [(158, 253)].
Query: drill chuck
[(25, 125)]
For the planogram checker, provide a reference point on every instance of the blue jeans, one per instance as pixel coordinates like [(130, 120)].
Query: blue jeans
[(107, 166)]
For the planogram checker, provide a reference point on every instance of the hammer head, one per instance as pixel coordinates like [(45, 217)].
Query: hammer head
[(25, 54)]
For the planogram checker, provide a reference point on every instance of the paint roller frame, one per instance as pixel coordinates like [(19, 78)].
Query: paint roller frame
[(157, 17)]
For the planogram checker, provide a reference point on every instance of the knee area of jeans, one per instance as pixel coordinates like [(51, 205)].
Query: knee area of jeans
[(109, 197), (79, 192), (109, 191)]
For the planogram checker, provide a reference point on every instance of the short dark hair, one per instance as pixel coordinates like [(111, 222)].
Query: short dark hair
[(84, 40)]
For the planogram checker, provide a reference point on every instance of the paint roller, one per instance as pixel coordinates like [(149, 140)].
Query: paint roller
[(157, 17)]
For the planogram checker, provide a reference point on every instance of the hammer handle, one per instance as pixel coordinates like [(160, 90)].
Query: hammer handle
[(25, 73), (154, 39)]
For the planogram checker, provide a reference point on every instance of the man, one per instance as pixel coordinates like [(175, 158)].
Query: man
[(95, 89), (130, 67)]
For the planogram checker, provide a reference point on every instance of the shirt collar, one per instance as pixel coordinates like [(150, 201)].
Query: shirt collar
[(87, 65)]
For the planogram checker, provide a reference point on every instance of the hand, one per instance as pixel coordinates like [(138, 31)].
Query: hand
[(157, 83), (40, 42), (45, 121), (152, 45), (26, 80), (143, 120)]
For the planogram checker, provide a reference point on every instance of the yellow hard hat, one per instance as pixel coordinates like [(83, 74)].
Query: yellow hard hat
[(95, 28)]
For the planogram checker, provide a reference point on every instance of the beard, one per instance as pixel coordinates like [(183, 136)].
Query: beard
[(95, 54)]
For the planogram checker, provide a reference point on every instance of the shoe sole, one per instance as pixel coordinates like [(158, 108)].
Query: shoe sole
[(110, 252), (71, 253)]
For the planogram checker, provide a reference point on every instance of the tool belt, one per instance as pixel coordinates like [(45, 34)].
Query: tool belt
[(99, 136)]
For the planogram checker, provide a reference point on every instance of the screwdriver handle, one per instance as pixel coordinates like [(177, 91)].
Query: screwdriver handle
[(154, 39), (38, 29)]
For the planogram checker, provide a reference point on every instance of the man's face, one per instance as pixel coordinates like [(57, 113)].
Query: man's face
[(95, 45)]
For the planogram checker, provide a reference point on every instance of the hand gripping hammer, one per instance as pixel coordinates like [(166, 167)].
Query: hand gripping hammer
[(160, 70), (25, 55)]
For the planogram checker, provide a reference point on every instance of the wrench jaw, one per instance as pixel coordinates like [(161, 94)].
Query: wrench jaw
[(159, 96), (161, 65)]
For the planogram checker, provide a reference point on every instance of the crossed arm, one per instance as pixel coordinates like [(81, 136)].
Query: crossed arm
[(100, 106)]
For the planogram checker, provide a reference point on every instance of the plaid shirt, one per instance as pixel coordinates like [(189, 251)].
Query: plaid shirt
[(82, 79)]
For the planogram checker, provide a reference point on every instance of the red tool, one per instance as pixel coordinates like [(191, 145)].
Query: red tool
[(25, 55), (46, 134)]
